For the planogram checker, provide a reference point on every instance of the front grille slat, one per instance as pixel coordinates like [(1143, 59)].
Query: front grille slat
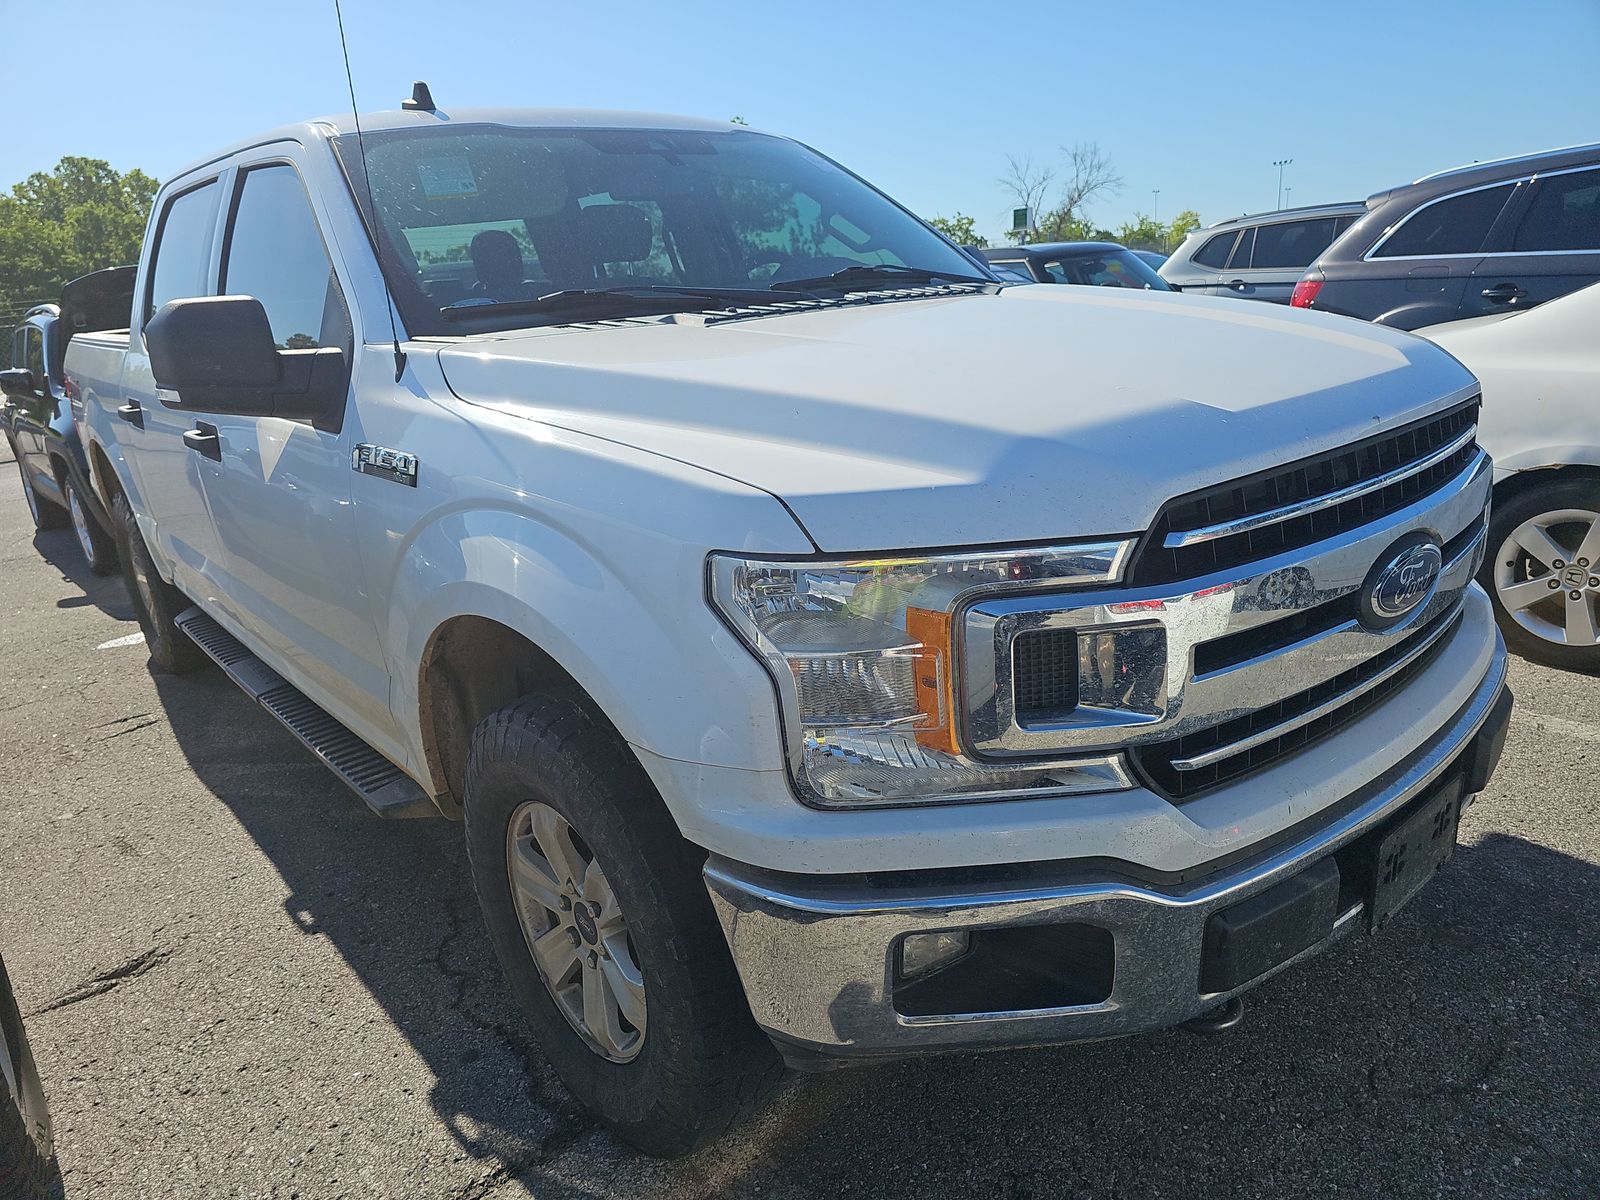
[(1320, 475), (1156, 762)]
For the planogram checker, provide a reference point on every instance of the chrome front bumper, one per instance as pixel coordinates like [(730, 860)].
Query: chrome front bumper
[(817, 955)]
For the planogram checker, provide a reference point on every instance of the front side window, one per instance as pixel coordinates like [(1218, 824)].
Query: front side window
[(183, 247), (276, 254), (1457, 225), (1215, 252), (34, 356), (1292, 243), (1564, 214), (475, 224)]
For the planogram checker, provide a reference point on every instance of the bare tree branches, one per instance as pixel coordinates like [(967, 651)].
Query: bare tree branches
[(1027, 183), (1089, 174)]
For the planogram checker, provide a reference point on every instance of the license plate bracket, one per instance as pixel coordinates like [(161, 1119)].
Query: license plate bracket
[(1410, 854)]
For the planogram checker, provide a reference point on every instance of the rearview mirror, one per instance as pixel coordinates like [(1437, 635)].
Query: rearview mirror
[(217, 353), (18, 381)]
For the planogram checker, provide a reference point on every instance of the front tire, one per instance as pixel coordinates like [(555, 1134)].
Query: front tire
[(1542, 568), (99, 550), (46, 516), (597, 912), (156, 603)]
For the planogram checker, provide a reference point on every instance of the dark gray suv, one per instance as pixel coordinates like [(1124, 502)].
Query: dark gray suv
[(1489, 238)]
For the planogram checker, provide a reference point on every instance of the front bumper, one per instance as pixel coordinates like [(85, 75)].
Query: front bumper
[(1126, 950)]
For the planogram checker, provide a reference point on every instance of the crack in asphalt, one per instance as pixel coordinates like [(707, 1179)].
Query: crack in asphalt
[(105, 981), (570, 1122)]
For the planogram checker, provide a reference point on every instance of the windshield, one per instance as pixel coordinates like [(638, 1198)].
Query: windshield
[(1110, 268), (477, 223)]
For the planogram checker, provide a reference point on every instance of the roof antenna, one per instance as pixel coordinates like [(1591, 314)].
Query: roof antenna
[(421, 99), (366, 176)]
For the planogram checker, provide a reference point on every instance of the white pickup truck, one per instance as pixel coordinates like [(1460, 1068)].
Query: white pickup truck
[(833, 652)]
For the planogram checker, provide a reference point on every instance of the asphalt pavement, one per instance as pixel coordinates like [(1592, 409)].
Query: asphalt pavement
[(239, 983)]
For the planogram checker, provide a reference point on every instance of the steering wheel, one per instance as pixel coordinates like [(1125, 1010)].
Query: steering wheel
[(767, 258)]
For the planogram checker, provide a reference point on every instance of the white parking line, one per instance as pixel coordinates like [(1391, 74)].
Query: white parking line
[(133, 639)]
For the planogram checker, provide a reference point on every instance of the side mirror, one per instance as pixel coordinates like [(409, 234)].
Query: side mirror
[(217, 353), (18, 381)]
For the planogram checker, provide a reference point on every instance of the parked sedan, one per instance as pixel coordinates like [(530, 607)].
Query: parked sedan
[(1094, 264), (1540, 372), (27, 1157), (38, 415)]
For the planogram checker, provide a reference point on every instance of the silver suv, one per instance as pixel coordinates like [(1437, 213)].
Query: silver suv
[(1258, 257)]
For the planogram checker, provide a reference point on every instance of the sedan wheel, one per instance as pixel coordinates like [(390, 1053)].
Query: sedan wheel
[(576, 931), (1547, 576)]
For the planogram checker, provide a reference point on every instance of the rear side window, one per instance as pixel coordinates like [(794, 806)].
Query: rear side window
[(183, 247), (275, 253), (1292, 243), (1564, 214), (1239, 260), (1215, 252), (1457, 225)]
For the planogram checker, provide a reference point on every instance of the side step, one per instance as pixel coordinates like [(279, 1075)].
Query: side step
[(387, 790)]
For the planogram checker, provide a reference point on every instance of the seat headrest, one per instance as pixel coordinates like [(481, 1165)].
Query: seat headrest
[(615, 233), (495, 251)]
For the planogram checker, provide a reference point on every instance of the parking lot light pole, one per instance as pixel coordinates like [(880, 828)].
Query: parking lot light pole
[(1281, 163)]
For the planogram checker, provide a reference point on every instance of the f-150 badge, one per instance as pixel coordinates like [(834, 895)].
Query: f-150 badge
[(394, 465)]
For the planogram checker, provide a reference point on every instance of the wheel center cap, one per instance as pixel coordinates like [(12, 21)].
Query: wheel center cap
[(584, 923), (1575, 576)]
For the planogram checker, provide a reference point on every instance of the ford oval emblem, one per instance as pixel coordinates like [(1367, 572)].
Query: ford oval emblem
[(1403, 578)]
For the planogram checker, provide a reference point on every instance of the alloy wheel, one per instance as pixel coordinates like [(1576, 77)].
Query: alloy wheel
[(80, 524), (1547, 576), (576, 931)]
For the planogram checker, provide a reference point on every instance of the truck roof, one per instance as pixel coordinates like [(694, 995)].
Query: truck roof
[(322, 128)]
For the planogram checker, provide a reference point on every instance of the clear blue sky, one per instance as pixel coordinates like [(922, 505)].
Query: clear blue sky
[(924, 99)]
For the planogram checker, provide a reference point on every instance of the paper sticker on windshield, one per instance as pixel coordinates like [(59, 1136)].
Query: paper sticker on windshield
[(446, 177)]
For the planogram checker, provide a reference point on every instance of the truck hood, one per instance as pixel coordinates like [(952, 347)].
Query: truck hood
[(1037, 413)]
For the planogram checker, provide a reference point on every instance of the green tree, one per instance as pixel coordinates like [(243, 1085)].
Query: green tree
[(960, 229), (57, 225), (1182, 226)]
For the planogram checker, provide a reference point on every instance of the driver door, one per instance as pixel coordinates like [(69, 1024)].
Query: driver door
[(289, 568)]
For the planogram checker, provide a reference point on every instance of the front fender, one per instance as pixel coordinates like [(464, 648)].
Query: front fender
[(646, 648)]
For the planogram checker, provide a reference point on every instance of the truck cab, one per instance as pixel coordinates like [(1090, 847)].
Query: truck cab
[(832, 651)]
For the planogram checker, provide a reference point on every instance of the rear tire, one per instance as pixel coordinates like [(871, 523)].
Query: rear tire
[(99, 549), (156, 602), (27, 1159), (1548, 614), (700, 1060)]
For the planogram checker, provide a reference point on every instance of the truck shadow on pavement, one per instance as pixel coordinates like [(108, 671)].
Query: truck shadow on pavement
[(59, 548), (1453, 1055)]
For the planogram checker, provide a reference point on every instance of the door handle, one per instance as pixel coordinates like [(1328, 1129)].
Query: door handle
[(132, 413), (1237, 285), (204, 440), (1503, 293)]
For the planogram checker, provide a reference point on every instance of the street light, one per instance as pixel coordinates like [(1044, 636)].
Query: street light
[(1156, 215), (1281, 163)]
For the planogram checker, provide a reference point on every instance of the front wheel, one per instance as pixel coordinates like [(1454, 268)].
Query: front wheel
[(46, 516), (1543, 570), (597, 912)]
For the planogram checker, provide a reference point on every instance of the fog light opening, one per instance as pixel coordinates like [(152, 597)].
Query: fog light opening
[(922, 954)]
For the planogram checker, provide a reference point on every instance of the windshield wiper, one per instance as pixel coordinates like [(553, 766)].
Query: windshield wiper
[(866, 276), (641, 298)]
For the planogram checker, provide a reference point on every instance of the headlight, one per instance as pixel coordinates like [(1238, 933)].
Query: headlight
[(863, 656)]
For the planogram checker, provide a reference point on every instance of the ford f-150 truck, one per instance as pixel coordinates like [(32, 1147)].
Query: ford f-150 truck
[(832, 651)]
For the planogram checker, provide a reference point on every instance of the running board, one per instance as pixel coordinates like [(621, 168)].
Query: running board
[(387, 790)]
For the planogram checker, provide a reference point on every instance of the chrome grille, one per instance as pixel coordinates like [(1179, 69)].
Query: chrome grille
[(1308, 501), (1187, 766)]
